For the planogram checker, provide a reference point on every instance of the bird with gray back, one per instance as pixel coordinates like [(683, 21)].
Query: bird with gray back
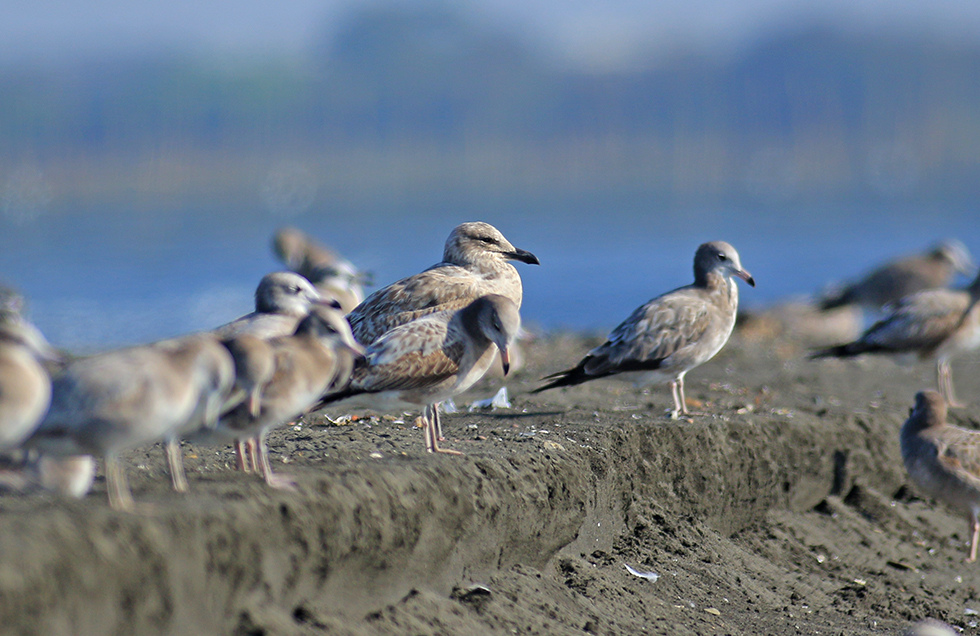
[(282, 299), (932, 269), (938, 323), (673, 333), (112, 402)]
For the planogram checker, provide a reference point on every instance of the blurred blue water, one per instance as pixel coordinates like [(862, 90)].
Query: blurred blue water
[(99, 278)]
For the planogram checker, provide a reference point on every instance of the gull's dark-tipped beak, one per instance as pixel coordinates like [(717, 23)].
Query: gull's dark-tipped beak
[(325, 301), (524, 256), (505, 360), (747, 277)]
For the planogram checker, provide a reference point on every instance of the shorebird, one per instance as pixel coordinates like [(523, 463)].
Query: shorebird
[(670, 335), (943, 461), (112, 402), (255, 364), (897, 279), (215, 360), (282, 299), (25, 388), (332, 274), (307, 364), (475, 263), (936, 323), (434, 358)]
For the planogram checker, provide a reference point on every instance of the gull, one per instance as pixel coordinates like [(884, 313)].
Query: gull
[(943, 461), (435, 357), (115, 401), (670, 335), (25, 388), (212, 399), (306, 365), (475, 263), (897, 279), (282, 299), (332, 274), (935, 323)]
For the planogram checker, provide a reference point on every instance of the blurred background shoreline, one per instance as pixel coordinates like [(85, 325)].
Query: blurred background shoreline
[(147, 155)]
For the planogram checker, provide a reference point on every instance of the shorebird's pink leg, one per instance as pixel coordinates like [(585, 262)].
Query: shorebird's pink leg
[(975, 530), (252, 445), (120, 496), (678, 407), (431, 418), (175, 461), (241, 459), (944, 378), (282, 482)]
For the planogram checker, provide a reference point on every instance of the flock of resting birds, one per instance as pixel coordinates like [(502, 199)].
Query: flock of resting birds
[(314, 339)]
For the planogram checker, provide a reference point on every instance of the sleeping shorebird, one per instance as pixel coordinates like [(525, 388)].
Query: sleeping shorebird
[(943, 461), (890, 282), (475, 263), (314, 360), (434, 358), (282, 299), (937, 323), (112, 402), (670, 335), (25, 388), (332, 274)]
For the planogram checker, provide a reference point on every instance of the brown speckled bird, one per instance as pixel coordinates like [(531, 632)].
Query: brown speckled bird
[(943, 461)]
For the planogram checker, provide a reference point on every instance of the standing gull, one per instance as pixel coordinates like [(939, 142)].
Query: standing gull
[(670, 335), (935, 323), (892, 281), (943, 461), (434, 358), (25, 389), (329, 272), (307, 364), (282, 299), (475, 262), (112, 402)]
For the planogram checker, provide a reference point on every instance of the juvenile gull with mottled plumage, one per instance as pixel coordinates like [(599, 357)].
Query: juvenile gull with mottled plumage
[(936, 323), (670, 335), (434, 358), (316, 359), (943, 461), (475, 263)]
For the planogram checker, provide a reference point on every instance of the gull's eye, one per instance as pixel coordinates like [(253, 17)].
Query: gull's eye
[(486, 239), (722, 257)]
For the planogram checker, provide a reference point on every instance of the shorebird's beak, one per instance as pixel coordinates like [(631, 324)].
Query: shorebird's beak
[(744, 275), (505, 360), (524, 256), (356, 347), (326, 301)]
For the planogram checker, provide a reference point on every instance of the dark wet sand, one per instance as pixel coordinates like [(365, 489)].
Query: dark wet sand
[(786, 510)]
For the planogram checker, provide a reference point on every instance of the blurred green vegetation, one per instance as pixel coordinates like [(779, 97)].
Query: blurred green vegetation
[(413, 98)]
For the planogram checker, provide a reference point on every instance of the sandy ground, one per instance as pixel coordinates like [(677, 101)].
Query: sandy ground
[(785, 510)]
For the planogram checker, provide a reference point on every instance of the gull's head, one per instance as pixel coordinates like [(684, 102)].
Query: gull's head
[(329, 325), (477, 242), (930, 407), (288, 294), (498, 319), (955, 253), (721, 258)]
